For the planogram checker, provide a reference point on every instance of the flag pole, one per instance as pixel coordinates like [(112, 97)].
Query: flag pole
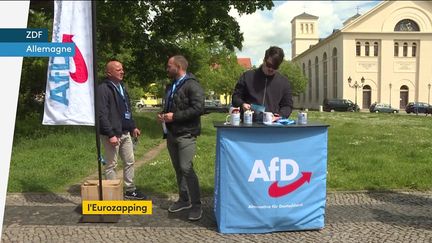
[(98, 146)]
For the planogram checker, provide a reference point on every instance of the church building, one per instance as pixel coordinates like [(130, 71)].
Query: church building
[(384, 55)]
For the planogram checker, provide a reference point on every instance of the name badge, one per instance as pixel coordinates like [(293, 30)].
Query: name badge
[(127, 115)]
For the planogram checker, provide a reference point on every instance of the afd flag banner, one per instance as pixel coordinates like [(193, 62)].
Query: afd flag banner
[(270, 179), (69, 97)]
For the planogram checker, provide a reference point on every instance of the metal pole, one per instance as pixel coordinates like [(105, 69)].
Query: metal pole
[(98, 146), (390, 85), (429, 86), (355, 86)]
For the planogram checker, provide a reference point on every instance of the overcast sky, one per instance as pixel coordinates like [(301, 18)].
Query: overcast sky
[(266, 28)]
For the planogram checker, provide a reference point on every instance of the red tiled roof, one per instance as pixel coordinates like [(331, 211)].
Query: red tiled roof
[(244, 62)]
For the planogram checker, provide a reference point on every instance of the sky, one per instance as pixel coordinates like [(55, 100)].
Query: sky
[(263, 29)]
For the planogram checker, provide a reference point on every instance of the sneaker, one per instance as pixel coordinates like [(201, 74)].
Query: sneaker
[(195, 213), (179, 206), (135, 195)]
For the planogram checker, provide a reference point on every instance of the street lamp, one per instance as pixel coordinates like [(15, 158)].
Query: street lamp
[(390, 86), (429, 86), (356, 85)]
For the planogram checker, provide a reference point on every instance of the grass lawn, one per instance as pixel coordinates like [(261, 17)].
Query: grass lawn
[(365, 152), (50, 158)]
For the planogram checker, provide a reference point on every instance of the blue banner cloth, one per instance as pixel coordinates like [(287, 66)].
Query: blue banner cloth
[(270, 179)]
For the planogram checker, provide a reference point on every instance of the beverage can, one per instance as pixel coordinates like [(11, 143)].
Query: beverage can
[(302, 118), (247, 117)]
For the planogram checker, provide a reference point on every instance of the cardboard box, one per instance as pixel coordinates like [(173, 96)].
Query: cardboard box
[(111, 189)]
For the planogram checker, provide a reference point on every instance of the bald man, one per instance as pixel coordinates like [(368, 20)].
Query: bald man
[(117, 127)]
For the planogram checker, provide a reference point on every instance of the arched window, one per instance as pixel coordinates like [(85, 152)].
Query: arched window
[(375, 49), (367, 49), (414, 49), (405, 49), (406, 25), (396, 49), (325, 75), (316, 79), (335, 72), (310, 80), (358, 48)]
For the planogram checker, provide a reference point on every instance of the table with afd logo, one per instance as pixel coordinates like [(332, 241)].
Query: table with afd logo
[(270, 178)]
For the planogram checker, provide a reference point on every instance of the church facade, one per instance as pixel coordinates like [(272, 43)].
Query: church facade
[(384, 55)]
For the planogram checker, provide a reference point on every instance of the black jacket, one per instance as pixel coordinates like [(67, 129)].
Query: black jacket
[(111, 109), (187, 106), (250, 89)]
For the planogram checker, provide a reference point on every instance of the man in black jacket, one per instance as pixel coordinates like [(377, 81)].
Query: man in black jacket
[(265, 87), (117, 126), (184, 105)]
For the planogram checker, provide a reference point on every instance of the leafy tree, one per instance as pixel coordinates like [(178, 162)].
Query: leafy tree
[(34, 71), (295, 75), (143, 34)]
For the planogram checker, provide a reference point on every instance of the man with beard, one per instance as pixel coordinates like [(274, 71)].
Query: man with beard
[(184, 105)]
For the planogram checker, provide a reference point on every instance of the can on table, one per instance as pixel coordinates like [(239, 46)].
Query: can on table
[(247, 117), (302, 118)]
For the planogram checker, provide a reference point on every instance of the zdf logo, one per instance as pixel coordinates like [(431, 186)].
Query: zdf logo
[(259, 171)]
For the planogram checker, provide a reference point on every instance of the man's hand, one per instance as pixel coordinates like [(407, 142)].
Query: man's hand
[(246, 106), (168, 117), (114, 141), (276, 117), (136, 132)]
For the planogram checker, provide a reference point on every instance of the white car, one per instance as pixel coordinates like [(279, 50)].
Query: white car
[(140, 104)]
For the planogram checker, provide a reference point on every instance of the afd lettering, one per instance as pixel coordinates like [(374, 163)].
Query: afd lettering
[(58, 77), (259, 171), (58, 73)]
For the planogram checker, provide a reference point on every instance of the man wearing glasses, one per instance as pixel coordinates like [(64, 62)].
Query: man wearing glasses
[(264, 88)]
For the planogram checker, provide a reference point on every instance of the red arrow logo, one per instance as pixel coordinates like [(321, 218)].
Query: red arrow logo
[(276, 191), (81, 74)]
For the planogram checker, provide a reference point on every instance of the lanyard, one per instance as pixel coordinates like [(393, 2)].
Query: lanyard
[(172, 91), (121, 92)]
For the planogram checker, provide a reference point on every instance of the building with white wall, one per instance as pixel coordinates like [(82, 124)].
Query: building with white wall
[(390, 47)]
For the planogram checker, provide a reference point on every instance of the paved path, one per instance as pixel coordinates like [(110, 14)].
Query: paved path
[(350, 217)]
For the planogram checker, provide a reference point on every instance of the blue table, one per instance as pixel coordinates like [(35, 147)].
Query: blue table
[(270, 178)]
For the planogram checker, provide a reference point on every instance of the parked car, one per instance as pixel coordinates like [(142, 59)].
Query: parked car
[(339, 105), (139, 104), (418, 107), (384, 108), (214, 106)]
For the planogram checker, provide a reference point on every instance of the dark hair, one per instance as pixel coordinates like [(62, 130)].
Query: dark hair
[(181, 61), (276, 54)]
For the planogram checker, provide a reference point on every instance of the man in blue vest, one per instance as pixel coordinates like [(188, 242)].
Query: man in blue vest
[(184, 105), (117, 127)]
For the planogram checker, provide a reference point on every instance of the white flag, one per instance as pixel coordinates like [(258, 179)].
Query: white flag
[(69, 97)]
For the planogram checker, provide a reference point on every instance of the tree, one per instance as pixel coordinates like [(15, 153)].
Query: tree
[(143, 34), (34, 72), (294, 73)]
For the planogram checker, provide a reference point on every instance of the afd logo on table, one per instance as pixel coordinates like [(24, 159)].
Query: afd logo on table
[(279, 170)]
